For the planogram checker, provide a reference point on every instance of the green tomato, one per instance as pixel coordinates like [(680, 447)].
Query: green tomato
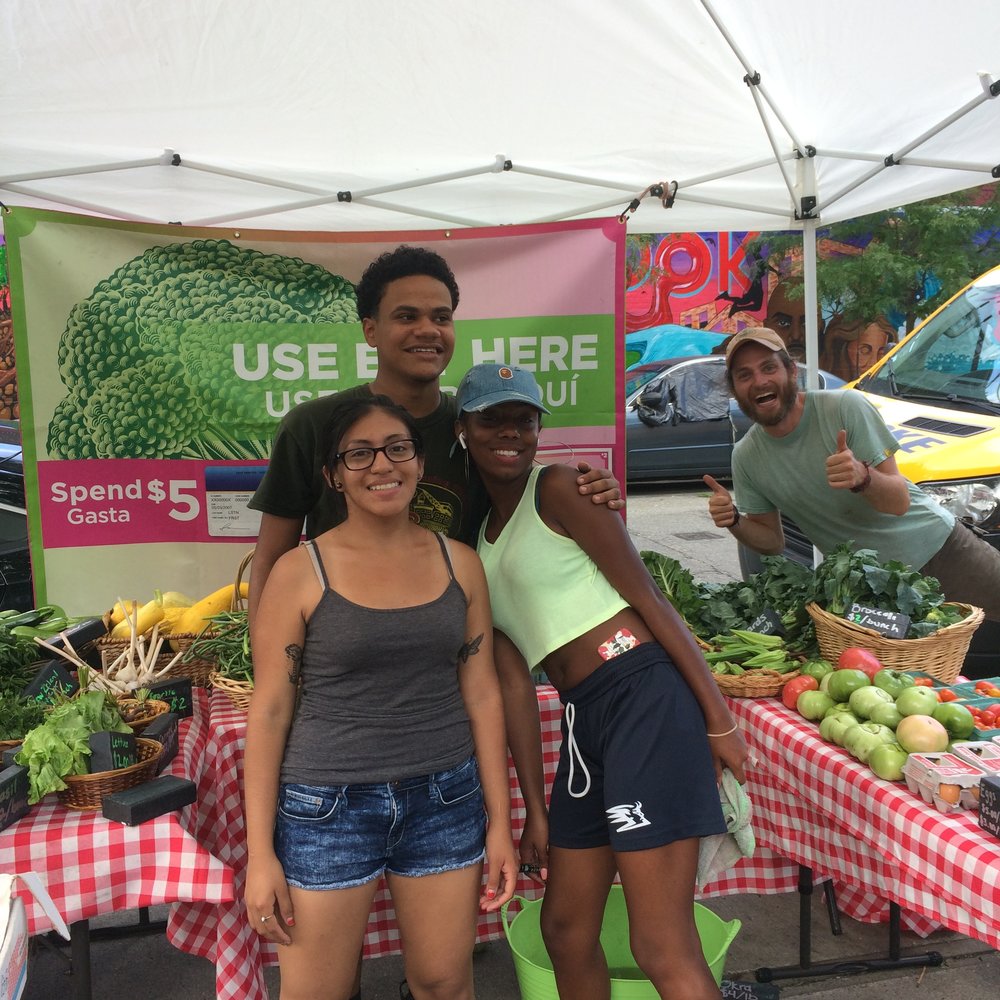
[(893, 681), (886, 714), (866, 698), (816, 668), (813, 704), (917, 701), (887, 761), (957, 719), (861, 740), (844, 682)]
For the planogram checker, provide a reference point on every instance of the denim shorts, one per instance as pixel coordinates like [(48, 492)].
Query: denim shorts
[(334, 838)]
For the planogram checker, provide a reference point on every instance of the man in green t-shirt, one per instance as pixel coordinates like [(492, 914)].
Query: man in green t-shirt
[(826, 459), (406, 302)]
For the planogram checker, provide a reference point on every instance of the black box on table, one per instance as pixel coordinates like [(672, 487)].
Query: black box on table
[(149, 800), (13, 794)]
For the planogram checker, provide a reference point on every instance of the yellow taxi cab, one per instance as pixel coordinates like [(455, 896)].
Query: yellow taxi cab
[(939, 392)]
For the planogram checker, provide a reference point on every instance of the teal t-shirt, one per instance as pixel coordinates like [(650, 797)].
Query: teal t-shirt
[(293, 485), (788, 474)]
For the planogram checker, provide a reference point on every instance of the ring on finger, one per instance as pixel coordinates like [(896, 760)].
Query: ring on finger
[(266, 917)]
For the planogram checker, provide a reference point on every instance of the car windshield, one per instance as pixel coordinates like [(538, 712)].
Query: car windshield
[(955, 357)]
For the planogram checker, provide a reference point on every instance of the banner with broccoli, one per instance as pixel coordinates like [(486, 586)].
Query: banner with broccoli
[(156, 362)]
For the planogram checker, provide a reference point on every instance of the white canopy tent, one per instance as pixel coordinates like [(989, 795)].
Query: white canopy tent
[(378, 115)]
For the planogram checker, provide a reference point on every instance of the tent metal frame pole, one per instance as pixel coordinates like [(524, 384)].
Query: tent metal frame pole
[(895, 159), (799, 145), (811, 296), (908, 161), (90, 168), (62, 203)]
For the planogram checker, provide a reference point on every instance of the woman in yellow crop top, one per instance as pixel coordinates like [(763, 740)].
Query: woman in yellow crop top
[(646, 732)]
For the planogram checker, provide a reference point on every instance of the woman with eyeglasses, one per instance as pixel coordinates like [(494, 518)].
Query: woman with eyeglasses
[(646, 731), (375, 739)]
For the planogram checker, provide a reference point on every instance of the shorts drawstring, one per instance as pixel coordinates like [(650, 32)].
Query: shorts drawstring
[(573, 751)]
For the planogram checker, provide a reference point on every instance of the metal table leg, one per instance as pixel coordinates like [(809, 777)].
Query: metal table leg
[(806, 968)]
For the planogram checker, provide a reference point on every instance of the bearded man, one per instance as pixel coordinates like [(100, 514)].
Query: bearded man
[(825, 458)]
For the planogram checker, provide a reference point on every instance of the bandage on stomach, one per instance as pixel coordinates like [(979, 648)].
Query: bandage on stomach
[(621, 642)]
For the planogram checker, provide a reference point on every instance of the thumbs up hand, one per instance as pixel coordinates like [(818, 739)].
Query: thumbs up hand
[(720, 504), (843, 470)]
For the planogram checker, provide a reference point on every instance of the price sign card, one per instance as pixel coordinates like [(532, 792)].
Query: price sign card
[(891, 624), (768, 622)]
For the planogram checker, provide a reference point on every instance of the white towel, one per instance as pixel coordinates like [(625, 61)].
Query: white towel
[(721, 851)]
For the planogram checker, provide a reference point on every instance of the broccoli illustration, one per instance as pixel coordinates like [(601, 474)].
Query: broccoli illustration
[(141, 357)]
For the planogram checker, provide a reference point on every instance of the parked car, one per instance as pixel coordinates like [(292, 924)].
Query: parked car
[(683, 422), (939, 393), (15, 562)]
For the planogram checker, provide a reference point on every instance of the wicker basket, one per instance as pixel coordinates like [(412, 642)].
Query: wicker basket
[(154, 707), (940, 654), (754, 683), (238, 692), (85, 791)]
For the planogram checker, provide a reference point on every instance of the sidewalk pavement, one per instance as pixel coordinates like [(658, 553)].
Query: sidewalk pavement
[(146, 967)]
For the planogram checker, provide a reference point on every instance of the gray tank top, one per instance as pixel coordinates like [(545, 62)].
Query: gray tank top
[(380, 699)]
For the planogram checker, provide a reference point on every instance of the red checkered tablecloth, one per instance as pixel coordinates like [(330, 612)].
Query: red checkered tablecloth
[(221, 933), (92, 866), (878, 842)]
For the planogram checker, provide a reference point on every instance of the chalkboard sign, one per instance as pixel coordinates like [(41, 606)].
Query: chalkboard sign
[(163, 729), (13, 794), (891, 624), (111, 751), (8, 756), (989, 804), (735, 989), (176, 693), (767, 622), (52, 677)]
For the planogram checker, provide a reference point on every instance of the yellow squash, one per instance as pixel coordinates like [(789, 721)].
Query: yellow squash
[(143, 619), (194, 619)]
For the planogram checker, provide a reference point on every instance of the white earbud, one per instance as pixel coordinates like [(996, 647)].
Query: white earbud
[(461, 439)]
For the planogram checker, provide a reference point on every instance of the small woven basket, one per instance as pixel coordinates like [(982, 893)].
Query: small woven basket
[(154, 707), (85, 791), (754, 683), (940, 654), (238, 692)]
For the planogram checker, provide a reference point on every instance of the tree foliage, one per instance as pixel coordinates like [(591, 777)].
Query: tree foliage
[(914, 258)]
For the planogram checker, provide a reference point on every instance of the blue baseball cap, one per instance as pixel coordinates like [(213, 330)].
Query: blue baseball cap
[(488, 385)]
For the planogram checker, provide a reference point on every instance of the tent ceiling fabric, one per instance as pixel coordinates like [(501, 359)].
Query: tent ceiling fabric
[(273, 109)]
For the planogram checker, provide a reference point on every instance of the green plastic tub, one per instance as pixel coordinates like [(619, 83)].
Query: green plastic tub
[(534, 969)]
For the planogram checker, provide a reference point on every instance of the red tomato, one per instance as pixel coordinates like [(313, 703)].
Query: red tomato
[(924, 682), (946, 694), (793, 688), (856, 658)]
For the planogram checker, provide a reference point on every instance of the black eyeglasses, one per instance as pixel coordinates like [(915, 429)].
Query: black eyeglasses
[(359, 459)]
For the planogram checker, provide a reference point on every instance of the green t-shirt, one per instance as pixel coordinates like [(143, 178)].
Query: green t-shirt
[(293, 485), (789, 474)]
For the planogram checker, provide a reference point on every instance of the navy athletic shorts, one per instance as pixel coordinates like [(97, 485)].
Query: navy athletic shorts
[(635, 770)]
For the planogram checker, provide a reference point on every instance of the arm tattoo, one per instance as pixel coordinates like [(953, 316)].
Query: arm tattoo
[(470, 648), (294, 655)]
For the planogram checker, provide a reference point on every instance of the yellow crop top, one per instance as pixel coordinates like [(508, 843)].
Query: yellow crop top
[(544, 589)]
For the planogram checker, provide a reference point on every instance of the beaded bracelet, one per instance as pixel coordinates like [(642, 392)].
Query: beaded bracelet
[(728, 732)]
